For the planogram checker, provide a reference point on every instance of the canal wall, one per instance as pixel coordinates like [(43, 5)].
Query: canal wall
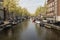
[(52, 26)]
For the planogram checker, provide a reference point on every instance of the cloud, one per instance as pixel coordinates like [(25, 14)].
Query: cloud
[(31, 5)]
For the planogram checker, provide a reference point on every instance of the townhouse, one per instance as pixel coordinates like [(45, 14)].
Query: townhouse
[(53, 11)]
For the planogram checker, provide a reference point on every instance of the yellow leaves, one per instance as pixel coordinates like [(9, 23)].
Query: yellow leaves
[(11, 5), (41, 10)]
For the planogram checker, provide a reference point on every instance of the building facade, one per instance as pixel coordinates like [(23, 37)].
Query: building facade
[(1, 9), (53, 11)]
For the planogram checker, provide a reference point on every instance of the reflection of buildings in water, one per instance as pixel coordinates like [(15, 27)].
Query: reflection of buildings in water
[(6, 34), (47, 34), (52, 35), (18, 28), (25, 24), (9, 33), (21, 26), (37, 25), (41, 32), (14, 33)]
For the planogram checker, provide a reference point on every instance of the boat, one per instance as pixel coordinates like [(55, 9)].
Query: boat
[(34, 20), (37, 21)]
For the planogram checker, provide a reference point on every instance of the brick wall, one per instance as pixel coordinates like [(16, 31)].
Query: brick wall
[(58, 8)]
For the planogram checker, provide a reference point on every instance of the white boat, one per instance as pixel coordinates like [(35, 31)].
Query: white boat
[(37, 21)]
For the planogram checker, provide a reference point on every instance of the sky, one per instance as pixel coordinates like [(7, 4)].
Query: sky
[(31, 5)]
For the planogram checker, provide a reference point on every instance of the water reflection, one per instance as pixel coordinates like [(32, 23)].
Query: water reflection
[(28, 30), (13, 33), (47, 34)]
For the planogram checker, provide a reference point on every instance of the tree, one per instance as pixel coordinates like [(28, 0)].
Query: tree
[(41, 10), (9, 7)]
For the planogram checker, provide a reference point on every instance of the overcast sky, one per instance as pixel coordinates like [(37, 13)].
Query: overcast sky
[(31, 5)]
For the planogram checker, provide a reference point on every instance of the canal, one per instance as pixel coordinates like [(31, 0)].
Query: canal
[(29, 30)]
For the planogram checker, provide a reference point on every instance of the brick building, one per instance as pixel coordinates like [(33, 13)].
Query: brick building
[(53, 11)]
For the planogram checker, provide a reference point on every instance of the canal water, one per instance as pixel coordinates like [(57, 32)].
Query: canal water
[(29, 30)]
